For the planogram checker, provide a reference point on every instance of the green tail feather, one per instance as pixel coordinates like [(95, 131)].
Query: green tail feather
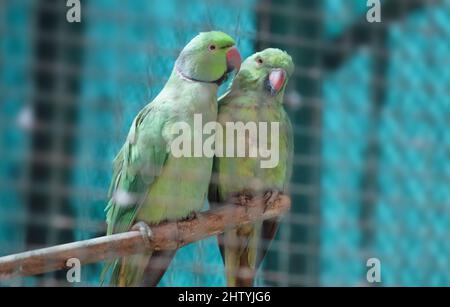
[(127, 271)]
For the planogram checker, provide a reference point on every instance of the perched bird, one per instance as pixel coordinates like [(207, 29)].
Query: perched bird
[(256, 95), (149, 183)]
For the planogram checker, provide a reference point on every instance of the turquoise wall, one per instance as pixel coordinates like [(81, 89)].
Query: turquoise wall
[(411, 210), (15, 88)]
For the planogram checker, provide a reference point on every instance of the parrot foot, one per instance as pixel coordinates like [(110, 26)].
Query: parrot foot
[(242, 199), (191, 216), (144, 229), (269, 198)]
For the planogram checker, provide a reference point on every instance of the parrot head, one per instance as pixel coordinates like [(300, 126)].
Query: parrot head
[(267, 71), (208, 57)]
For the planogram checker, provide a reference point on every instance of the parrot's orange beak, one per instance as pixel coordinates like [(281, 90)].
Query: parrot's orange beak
[(233, 59), (277, 77)]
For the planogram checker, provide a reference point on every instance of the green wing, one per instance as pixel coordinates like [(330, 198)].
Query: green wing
[(138, 163)]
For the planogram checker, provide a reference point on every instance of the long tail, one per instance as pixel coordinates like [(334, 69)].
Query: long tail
[(143, 270), (156, 267), (129, 271), (243, 250), (239, 249)]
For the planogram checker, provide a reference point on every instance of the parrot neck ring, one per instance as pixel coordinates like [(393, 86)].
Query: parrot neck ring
[(218, 82)]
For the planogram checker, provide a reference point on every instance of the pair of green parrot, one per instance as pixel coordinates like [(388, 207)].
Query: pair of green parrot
[(150, 185)]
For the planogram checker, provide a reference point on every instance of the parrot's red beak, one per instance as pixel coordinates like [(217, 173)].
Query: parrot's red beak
[(277, 77), (233, 59)]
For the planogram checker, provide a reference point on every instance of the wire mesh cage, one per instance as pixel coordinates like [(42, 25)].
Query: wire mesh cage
[(368, 102)]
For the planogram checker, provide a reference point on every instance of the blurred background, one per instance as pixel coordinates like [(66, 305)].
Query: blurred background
[(369, 103)]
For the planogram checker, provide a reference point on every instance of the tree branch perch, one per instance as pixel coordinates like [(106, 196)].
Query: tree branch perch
[(165, 236)]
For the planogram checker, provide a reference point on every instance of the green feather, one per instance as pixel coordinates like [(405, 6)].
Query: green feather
[(248, 100), (149, 184)]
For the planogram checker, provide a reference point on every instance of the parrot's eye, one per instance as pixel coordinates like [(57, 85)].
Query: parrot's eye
[(259, 61), (212, 47)]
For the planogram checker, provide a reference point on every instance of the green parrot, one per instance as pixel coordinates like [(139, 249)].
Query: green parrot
[(150, 184), (255, 96)]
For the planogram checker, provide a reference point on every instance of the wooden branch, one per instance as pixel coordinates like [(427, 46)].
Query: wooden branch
[(165, 236)]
